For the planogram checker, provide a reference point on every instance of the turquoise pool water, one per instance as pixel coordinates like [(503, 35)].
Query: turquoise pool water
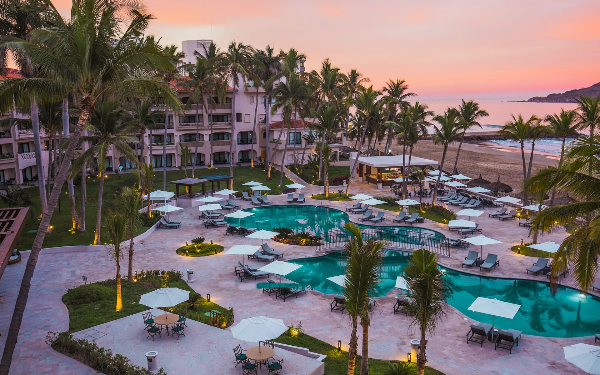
[(568, 313)]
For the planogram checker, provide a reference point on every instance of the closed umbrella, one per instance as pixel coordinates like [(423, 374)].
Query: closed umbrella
[(210, 199), (164, 297), (226, 192), (469, 212), (361, 197), (252, 183), (258, 328), (481, 241), (494, 308), (584, 356)]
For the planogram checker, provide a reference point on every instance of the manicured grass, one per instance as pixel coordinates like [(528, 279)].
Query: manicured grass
[(336, 362), (310, 176), (61, 220), (202, 250), (335, 197), (525, 250), (426, 212)]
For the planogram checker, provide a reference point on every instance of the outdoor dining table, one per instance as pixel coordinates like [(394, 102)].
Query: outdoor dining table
[(260, 353), (166, 319)]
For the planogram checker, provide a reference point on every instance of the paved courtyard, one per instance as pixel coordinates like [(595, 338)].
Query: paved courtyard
[(389, 334)]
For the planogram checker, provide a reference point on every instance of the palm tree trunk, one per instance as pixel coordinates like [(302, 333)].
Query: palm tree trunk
[(70, 187), (50, 161), (151, 141), (435, 189), (164, 157), (142, 146), (364, 363), (99, 209), (355, 164), (130, 265), (353, 349), (267, 113), (284, 152), (21, 303), (233, 135), (83, 199), (119, 305), (35, 122), (273, 154), (404, 174), (531, 158), (421, 358), (321, 158), (212, 165), (254, 130), (560, 161), (462, 138), (196, 144), (524, 170)]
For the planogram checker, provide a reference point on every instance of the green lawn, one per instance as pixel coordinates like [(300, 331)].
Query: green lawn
[(525, 250), (61, 220), (437, 214), (335, 197), (310, 175)]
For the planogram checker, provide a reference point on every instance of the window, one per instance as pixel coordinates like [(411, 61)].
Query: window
[(190, 137), (295, 138), (218, 118), (246, 117), (264, 135), (251, 99), (2, 179), (238, 117), (219, 137), (125, 164), (187, 119), (244, 138), (108, 164), (27, 174), (221, 157), (198, 158), (244, 156), (185, 99), (227, 100), (24, 148), (261, 119)]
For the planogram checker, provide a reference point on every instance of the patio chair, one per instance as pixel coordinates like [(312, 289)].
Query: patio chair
[(459, 202), (474, 205), (290, 198), (470, 259), (538, 266), (506, 339), (232, 203), (449, 196), (401, 217), (162, 223), (153, 331), (226, 206), (275, 366), (214, 223), (367, 215), (353, 207), (510, 216), (413, 218), (468, 203), (473, 230), (285, 293), (171, 221), (457, 242), (301, 198), (268, 343), (266, 249), (265, 199), (148, 319), (232, 229), (240, 356), (338, 304), (255, 201), (502, 211), (178, 330), (259, 256), (248, 274), (249, 368), (182, 319), (273, 287), (478, 333), (528, 223), (361, 210), (490, 262), (401, 304), (595, 287), (377, 218), (209, 215), (245, 196)]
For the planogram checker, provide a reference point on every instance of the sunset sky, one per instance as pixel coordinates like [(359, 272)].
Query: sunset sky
[(501, 49)]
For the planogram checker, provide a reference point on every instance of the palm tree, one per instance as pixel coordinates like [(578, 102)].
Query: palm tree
[(362, 276), (95, 52), (70, 188), (108, 126), (396, 96), (367, 104), (146, 180), (186, 159), (536, 131), (352, 81), (130, 203), (448, 131), (589, 112), (145, 118), (271, 70), (428, 293), (578, 176), (562, 125), (329, 120), (236, 60), (116, 224), (469, 116)]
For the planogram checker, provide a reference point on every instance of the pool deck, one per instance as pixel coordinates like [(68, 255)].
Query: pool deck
[(389, 334)]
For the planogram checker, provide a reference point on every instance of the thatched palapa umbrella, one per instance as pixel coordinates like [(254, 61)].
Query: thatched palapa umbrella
[(479, 181), (499, 187)]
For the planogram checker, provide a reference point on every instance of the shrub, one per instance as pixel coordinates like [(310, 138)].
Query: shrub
[(441, 211), (87, 294), (148, 221), (198, 240), (169, 276), (401, 368), (338, 180), (203, 249), (283, 232), (287, 236), (391, 201)]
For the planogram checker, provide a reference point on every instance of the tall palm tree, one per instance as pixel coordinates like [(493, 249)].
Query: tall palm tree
[(428, 293), (562, 125), (418, 114), (255, 70), (236, 60), (396, 95), (93, 53), (271, 70), (367, 104), (362, 276), (116, 224), (352, 81), (448, 131), (108, 128), (469, 116), (328, 123), (145, 118), (146, 181), (580, 251), (66, 121), (130, 204), (589, 112), (536, 131)]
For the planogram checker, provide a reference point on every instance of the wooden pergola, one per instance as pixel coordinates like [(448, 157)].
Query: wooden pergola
[(189, 183), (12, 221)]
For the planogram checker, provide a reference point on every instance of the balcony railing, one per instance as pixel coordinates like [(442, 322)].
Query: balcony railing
[(246, 141), (201, 123), (223, 106)]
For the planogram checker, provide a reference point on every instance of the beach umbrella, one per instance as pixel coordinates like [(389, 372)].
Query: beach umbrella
[(584, 356), (407, 202), (373, 202), (455, 184), (481, 240), (242, 250), (251, 183), (260, 188), (164, 297), (209, 199), (280, 268), (361, 197), (469, 212), (401, 179), (500, 187), (401, 283), (225, 192), (160, 195), (435, 173), (508, 199), (445, 178), (461, 224), (262, 234), (478, 189), (535, 207), (494, 308), (209, 207), (550, 247), (479, 181), (339, 280), (258, 328), (460, 177), (239, 215), (295, 186), (167, 208)]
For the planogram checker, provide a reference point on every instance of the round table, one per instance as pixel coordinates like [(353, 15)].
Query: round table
[(166, 319), (260, 356)]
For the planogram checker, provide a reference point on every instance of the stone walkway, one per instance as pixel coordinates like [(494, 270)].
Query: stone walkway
[(389, 334)]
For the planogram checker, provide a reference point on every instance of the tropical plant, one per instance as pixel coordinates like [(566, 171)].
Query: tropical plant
[(130, 202), (428, 293), (146, 181), (562, 125), (145, 118), (328, 123), (362, 276), (589, 113), (116, 224), (15, 196), (186, 159), (396, 96), (448, 131), (469, 114), (351, 84)]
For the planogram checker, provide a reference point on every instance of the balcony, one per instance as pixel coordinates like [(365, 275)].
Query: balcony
[(7, 158), (189, 125), (192, 144), (221, 143), (246, 141), (223, 106)]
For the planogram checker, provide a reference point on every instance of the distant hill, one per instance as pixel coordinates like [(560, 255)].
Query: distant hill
[(569, 96)]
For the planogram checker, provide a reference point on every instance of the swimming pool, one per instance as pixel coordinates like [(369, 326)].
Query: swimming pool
[(569, 313)]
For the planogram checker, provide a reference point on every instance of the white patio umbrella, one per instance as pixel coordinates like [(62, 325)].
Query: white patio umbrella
[(258, 328), (469, 212), (444, 178), (225, 192), (168, 208), (242, 250), (262, 234), (259, 188), (295, 186), (164, 297), (435, 173), (280, 268), (481, 240), (455, 184), (339, 280), (401, 283), (209, 207), (239, 215), (508, 199), (209, 199), (252, 183), (407, 202), (461, 224), (584, 356), (160, 195), (478, 189), (460, 177), (495, 308), (534, 207), (373, 202), (550, 247), (361, 197)]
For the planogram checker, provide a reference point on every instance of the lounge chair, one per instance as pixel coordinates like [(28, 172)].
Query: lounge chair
[(401, 304), (255, 201), (468, 203), (413, 218), (457, 242), (171, 221), (510, 216), (260, 256), (377, 218), (472, 230), (209, 215), (232, 229), (474, 205), (457, 199), (359, 206), (301, 198), (232, 203), (273, 287), (498, 213), (285, 293), (239, 270), (401, 217), (249, 274), (470, 259), (215, 223), (506, 339), (256, 194), (163, 223), (290, 198), (265, 200), (364, 208), (353, 207), (595, 287), (226, 206), (459, 202), (490, 262), (266, 249), (538, 266), (367, 215), (479, 333), (338, 304), (528, 223), (449, 196), (245, 231), (245, 196)]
